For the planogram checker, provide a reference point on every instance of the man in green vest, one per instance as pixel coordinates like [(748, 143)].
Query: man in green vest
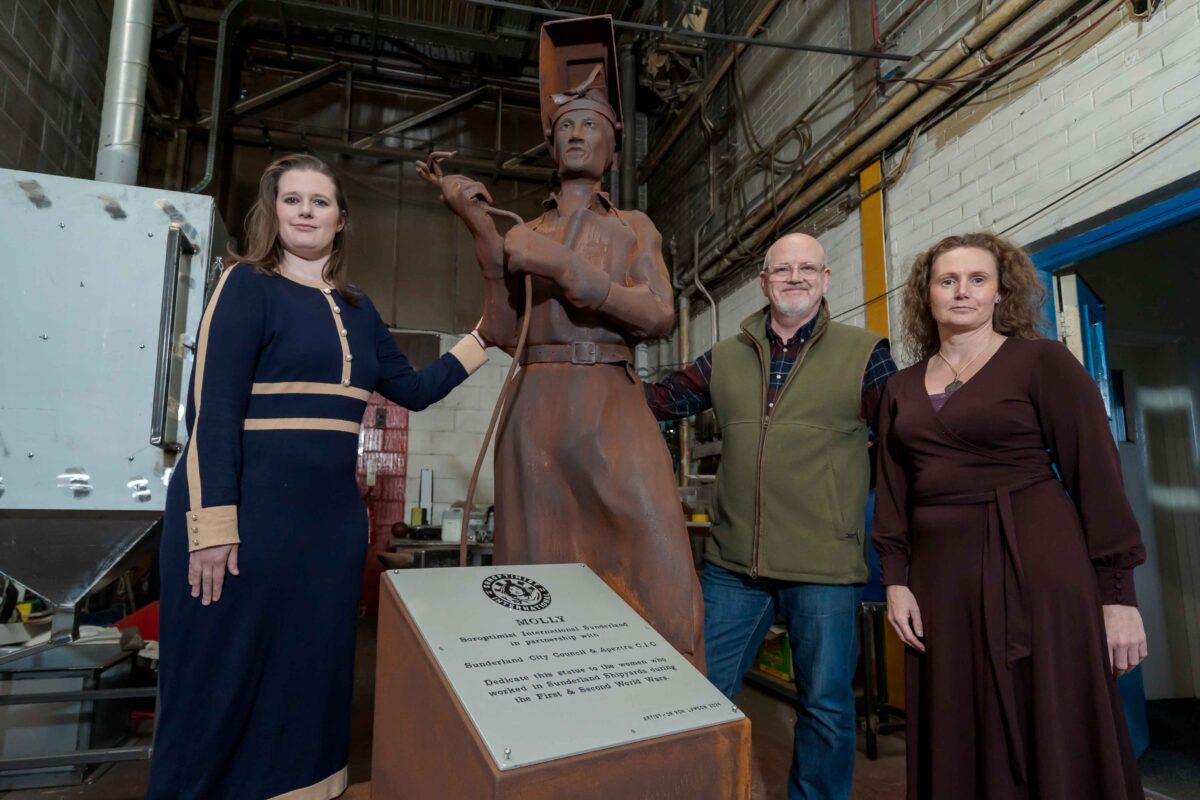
[(795, 395)]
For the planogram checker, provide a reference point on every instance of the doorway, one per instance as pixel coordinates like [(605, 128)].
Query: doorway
[(1130, 312), (1132, 315)]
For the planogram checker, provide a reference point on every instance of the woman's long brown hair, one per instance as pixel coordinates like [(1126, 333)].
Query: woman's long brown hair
[(1018, 314), (263, 248)]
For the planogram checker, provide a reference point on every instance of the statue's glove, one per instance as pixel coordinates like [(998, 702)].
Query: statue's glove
[(465, 197), (527, 251)]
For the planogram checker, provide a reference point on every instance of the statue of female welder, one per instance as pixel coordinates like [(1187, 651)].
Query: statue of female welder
[(582, 473)]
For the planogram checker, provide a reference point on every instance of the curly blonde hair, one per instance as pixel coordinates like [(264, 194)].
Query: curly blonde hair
[(1019, 312)]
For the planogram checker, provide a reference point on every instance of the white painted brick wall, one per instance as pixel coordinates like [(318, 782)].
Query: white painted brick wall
[(1039, 140), (1076, 121), (779, 84), (843, 252), (446, 437)]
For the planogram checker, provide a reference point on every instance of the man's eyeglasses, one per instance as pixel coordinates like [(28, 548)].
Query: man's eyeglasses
[(806, 270)]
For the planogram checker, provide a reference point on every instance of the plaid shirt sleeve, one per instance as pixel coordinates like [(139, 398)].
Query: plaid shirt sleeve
[(880, 367), (683, 393)]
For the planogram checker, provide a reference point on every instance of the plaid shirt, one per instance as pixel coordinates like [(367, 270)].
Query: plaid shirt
[(687, 392)]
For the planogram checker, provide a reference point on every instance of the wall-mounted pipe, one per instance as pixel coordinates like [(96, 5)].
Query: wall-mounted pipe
[(628, 165), (758, 18), (872, 140), (125, 91), (688, 33), (233, 14), (682, 356), (290, 140), (708, 128), (950, 59), (685, 357)]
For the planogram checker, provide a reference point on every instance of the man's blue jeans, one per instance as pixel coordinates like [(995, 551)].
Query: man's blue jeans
[(820, 619)]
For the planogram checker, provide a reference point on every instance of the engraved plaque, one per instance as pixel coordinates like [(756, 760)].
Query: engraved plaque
[(549, 662)]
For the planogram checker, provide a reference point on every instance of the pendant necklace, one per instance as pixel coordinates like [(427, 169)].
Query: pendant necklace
[(954, 385)]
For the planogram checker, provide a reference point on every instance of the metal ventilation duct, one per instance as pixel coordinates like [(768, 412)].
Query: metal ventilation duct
[(125, 91)]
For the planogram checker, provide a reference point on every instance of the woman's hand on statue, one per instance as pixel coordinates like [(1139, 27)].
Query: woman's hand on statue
[(479, 332), (206, 571), (905, 616), (1126, 638)]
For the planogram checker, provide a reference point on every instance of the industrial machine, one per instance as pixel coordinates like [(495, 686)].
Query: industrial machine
[(104, 285)]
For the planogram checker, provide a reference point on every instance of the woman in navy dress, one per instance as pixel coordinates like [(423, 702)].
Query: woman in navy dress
[(257, 665)]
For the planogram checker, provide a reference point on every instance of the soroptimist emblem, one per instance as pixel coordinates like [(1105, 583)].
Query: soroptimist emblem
[(516, 592)]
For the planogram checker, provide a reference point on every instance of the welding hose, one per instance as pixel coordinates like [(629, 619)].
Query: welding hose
[(568, 241)]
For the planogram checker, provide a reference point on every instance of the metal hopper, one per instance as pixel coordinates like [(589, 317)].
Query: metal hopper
[(64, 556)]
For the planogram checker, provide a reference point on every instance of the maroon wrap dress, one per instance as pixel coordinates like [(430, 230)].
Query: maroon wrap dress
[(1009, 565)]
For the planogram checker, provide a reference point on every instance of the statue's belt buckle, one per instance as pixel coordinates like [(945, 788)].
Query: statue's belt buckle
[(583, 352)]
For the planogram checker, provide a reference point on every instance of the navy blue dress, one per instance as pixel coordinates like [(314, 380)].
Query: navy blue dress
[(255, 689)]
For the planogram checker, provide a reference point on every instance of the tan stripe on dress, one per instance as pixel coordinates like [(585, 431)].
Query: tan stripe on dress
[(327, 789), (195, 497), (309, 387), (301, 424), (340, 329)]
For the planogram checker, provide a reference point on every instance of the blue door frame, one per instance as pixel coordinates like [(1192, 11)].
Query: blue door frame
[(1151, 219), (1164, 214)]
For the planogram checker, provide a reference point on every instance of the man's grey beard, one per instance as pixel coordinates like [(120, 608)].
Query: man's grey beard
[(797, 309)]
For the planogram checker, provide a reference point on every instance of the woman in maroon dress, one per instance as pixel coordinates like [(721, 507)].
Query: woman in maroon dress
[(1006, 541)]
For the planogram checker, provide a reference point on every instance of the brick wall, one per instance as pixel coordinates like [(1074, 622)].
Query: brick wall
[(843, 252), (1070, 136), (52, 63), (778, 85), (1061, 141), (446, 437)]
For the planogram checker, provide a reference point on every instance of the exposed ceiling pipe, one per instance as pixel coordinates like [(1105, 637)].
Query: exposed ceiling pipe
[(239, 11), (757, 19), (125, 91), (628, 162), (383, 68), (426, 116), (949, 59), (688, 33), (521, 158), (289, 140), (869, 140), (233, 14), (283, 91)]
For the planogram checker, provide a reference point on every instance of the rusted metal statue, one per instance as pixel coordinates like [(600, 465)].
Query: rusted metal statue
[(582, 473)]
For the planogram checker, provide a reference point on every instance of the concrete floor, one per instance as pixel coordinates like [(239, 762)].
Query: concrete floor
[(771, 719)]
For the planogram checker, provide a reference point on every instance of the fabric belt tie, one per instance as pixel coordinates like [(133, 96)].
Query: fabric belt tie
[(1005, 620), (585, 353)]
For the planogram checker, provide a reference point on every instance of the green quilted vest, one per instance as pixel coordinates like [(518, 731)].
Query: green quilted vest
[(792, 485)]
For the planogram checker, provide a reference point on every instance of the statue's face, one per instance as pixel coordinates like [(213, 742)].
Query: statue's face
[(584, 141)]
